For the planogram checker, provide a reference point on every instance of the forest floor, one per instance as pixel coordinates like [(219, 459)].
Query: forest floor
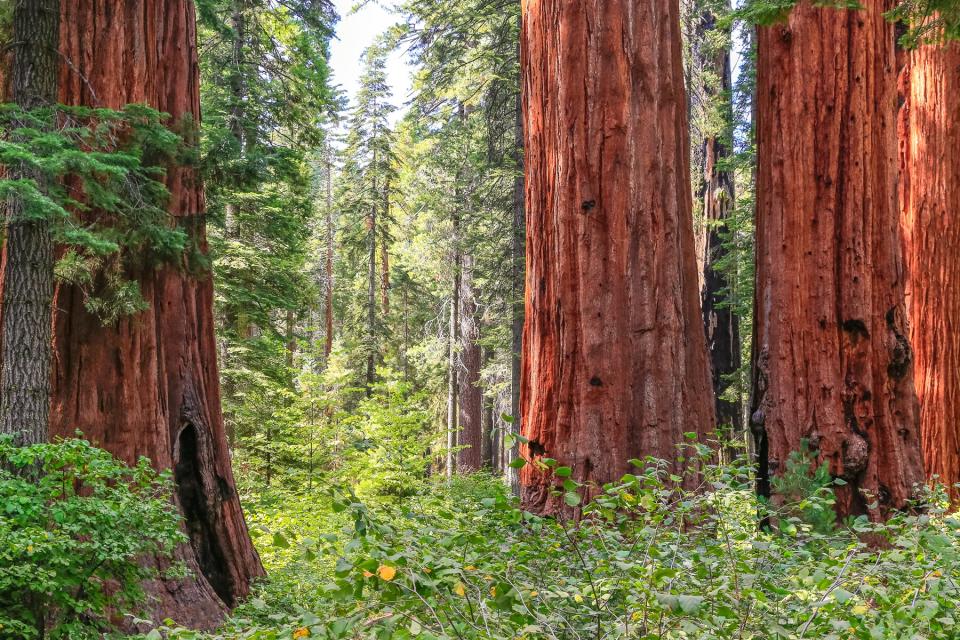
[(459, 560)]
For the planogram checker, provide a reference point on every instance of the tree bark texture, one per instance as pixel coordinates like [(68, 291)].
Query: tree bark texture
[(832, 359), (470, 400), (28, 257), (614, 358), (930, 217), (518, 273), (148, 385)]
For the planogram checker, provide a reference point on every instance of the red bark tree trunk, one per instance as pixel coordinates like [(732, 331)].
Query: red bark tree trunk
[(930, 216), (832, 360), (148, 385), (614, 357)]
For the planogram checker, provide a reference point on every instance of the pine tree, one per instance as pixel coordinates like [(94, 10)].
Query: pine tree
[(28, 263), (364, 203)]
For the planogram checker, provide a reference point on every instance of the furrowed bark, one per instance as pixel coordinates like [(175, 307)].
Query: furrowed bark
[(518, 272), (832, 359), (28, 257), (614, 358), (930, 207), (156, 390)]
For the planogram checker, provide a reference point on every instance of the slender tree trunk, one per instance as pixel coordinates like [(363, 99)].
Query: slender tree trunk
[(614, 358), (157, 392), (328, 306), (518, 268), (470, 395), (486, 421), (832, 360), (291, 335), (452, 385), (930, 217), (27, 265), (372, 269), (385, 254), (405, 334), (715, 187)]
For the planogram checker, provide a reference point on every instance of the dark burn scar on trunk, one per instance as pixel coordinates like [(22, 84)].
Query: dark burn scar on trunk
[(536, 448)]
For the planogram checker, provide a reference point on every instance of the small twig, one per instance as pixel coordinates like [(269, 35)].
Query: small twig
[(823, 600)]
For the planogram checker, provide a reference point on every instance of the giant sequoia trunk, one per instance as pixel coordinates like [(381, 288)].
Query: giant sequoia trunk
[(833, 364), (28, 254), (614, 358), (148, 385), (930, 199)]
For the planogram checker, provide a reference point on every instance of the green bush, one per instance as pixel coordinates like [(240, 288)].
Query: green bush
[(75, 524), (650, 559)]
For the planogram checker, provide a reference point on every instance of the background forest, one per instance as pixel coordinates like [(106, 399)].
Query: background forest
[(623, 323)]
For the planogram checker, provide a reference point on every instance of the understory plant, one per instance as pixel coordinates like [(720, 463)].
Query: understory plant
[(648, 559), (75, 526)]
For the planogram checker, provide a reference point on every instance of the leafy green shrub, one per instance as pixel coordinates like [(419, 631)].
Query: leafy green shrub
[(650, 559), (74, 526)]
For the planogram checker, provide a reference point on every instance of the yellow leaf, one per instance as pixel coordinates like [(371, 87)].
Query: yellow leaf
[(534, 594), (493, 592), (470, 567), (488, 578), (860, 609), (427, 570), (386, 572), (460, 590), (302, 632)]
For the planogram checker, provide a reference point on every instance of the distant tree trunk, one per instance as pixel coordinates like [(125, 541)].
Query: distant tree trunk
[(405, 332), (487, 454), (930, 216), (832, 359), (518, 284), (371, 299), (385, 254), (28, 259), (148, 385), (614, 358), (470, 395), (715, 186), (291, 335), (452, 385), (328, 284)]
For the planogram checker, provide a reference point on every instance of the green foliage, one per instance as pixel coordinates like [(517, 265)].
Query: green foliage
[(929, 21), (389, 434), (75, 524), (97, 176), (656, 556), (769, 12), (926, 21), (807, 488), (266, 98)]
